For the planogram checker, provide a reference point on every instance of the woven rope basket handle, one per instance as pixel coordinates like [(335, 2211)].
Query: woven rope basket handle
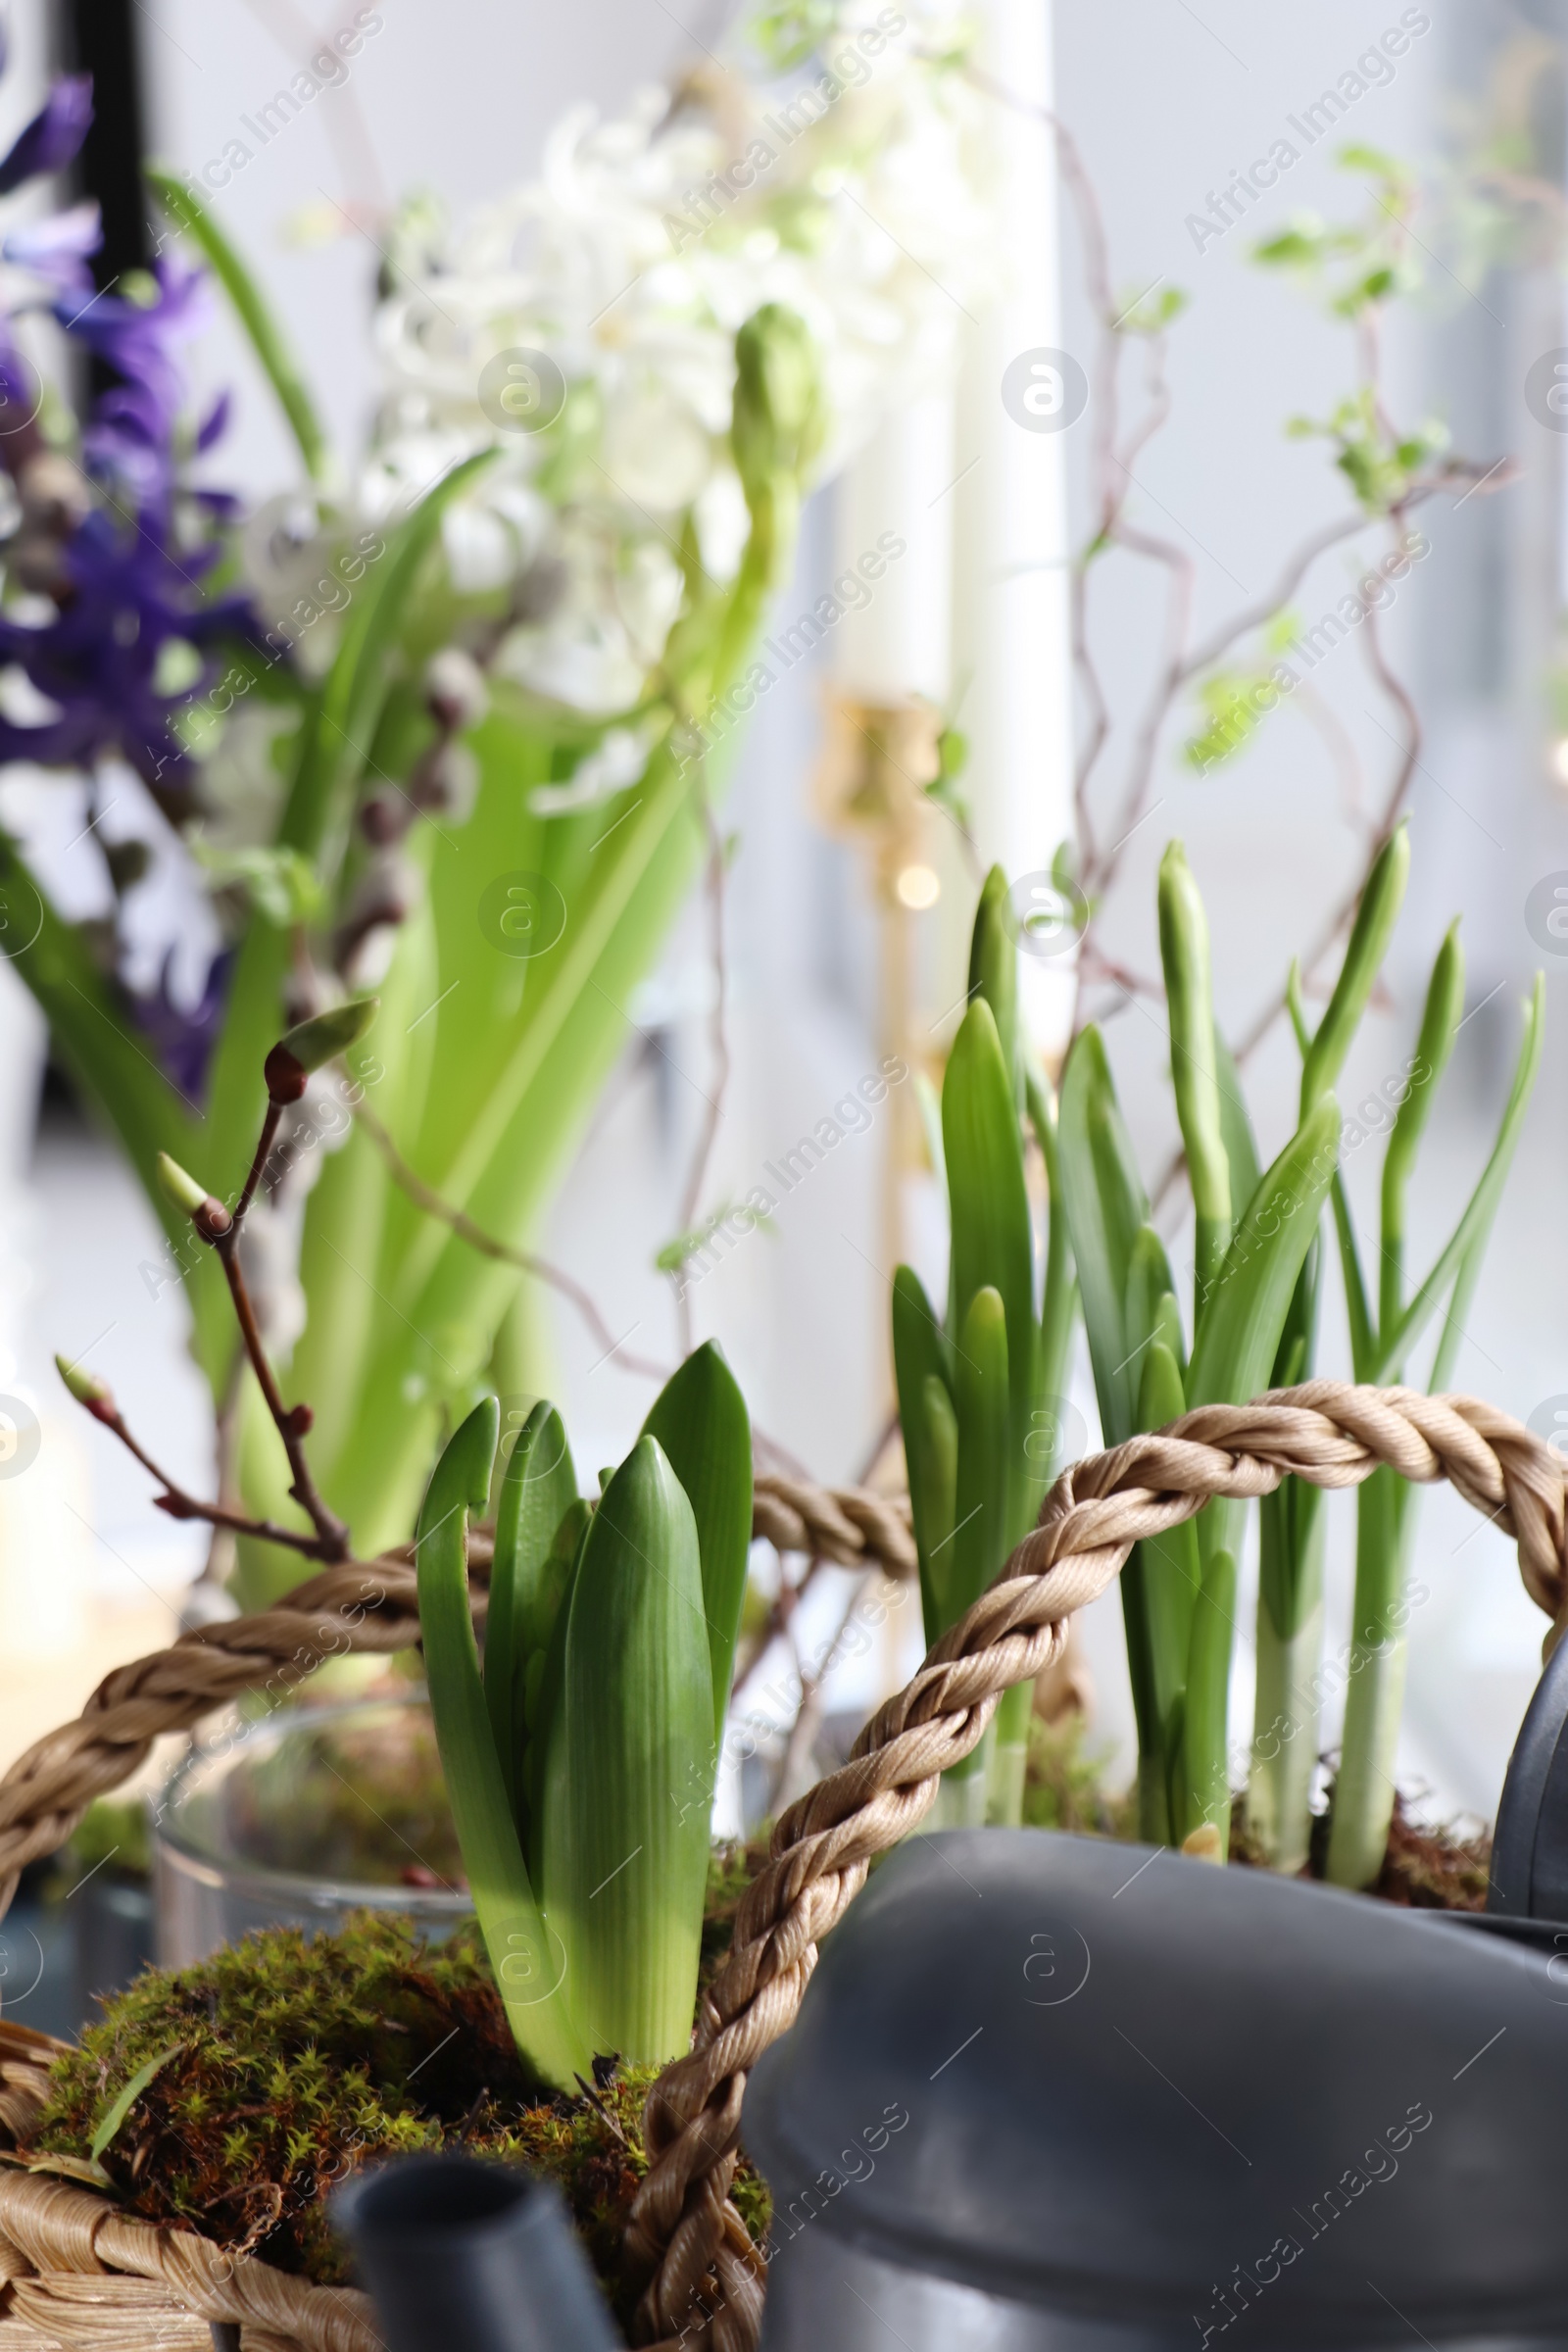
[(359, 1607), (685, 2238)]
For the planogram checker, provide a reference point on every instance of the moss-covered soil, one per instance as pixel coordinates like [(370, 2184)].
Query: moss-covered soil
[(287, 2064)]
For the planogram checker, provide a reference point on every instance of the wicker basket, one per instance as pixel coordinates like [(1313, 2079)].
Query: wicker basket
[(75, 2272)]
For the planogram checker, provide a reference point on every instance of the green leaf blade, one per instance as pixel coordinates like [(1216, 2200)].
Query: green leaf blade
[(980, 1536), (115, 2115), (993, 965), (980, 1533), (526, 1960), (993, 1241), (626, 1846), (1190, 999), (920, 1365), (267, 337), (538, 1490), (1245, 1315), (1171, 1563), (699, 1420), (1107, 1206), (1470, 1234), (1370, 934)]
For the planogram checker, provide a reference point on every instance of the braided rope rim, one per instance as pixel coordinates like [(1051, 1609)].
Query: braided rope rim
[(702, 2275)]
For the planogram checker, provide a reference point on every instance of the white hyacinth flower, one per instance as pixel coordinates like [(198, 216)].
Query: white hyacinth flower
[(844, 191)]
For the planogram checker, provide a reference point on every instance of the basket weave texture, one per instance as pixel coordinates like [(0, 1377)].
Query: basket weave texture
[(75, 2272)]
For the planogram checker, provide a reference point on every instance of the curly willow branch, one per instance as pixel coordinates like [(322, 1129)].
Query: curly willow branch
[(683, 2236)]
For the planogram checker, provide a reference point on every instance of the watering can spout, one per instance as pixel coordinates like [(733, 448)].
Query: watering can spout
[(461, 2256)]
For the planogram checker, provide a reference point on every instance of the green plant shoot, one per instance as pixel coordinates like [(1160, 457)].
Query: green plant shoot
[(979, 1390), (581, 1764), (1179, 1594), (1290, 1605), (1382, 1335)]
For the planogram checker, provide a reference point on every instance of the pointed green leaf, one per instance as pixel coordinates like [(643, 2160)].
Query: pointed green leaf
[(1189, 996), (1370, 934), (1439, 1025), (934, 1494), (920, 1357), (268, 340), (1205, 1795), (1171, 1573), (980, 1534), (543, 1711), (115, 2115), (527, 1961), (994, 966), (1471, 1232), (1105, 1207), (1150, 1304), (1241, 1144), (1357, 1307), (1058, 1307), (625, 1880), (980, 1542), (993, 1239), (1245, 1315), (526, 1583), (700, 1419)]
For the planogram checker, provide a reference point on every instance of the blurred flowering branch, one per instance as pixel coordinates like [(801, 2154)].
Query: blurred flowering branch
[(1358, 270)]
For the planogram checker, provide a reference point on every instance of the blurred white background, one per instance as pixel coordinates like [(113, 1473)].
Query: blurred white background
[(1167, 102)]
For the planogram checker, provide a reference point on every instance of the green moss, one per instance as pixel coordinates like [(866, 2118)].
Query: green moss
[(113, 1832), (730, 1871), (297, 2063), (1064, 1787)]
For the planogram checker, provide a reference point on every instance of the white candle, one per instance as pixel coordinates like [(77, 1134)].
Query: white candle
[(1011, 607), (894, 518)]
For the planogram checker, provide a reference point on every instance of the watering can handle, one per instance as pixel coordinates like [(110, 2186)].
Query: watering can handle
[(1529, 1850)]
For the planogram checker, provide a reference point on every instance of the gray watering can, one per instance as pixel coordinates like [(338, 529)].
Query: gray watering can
[(1052, 2095), (1060, 2094)]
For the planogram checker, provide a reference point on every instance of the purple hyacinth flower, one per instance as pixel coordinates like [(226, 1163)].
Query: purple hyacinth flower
[(54, 134), (214, 424), (97, 660), (135, 337), (56, 248), (183, 1035)]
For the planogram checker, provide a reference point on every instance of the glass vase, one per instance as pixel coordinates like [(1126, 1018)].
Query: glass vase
[(302, 1818)]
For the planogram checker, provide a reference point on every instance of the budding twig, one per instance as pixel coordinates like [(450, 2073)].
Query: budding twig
[(222, 1232), (288, 1072), (98, 1399)]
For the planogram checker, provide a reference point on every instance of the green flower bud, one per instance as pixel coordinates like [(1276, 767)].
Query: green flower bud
[(779, 422), (993, 965), (210, 1217), (310, 1044), (87, 1389), (1189, 996)]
